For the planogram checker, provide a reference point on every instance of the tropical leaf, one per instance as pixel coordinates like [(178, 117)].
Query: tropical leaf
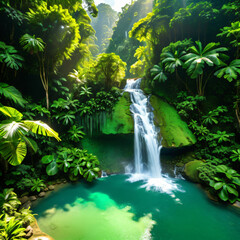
[(41, 128), (52, 168), (13, 152), (11, 113), (158, 73), (47, 159), (12, 94), (12, 130), (229, 72), (32, 44), (197, 57), (223, 194), (8, 55), (172, 60), (31, 143)]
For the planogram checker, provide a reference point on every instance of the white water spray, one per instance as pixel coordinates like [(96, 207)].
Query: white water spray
[(147, 146)]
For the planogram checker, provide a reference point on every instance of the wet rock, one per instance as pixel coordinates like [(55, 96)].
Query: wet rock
[(51, 187), (29, 232), (27, 204), (42, 194), (24, 199), (236, 204), (32, 198), (45, 189)]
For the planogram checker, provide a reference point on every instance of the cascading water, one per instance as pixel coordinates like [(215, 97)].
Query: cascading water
[(147, 147), (145, 133)]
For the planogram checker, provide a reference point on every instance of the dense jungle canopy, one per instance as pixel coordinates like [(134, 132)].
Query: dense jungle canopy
[(63, 67)]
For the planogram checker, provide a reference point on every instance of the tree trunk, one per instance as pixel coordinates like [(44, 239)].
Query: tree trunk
[(47, 99)]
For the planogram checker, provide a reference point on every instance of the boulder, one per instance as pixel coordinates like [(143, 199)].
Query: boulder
[(24, 199), (27, 204), (42, 194), (191, 171), (32, 198), (51, 187)]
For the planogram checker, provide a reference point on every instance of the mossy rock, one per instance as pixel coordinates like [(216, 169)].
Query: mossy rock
[(191, 170), (121, 121), (174, 131)]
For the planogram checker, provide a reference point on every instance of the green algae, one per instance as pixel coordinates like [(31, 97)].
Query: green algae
[(174, 131), (121, 121)]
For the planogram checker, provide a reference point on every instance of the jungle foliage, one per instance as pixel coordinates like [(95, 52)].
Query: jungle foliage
[(190, 55), (48, 51)]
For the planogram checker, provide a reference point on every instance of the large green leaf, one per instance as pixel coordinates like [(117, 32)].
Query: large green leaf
[(229, 72), (197, 57), (218, 185), (41, 128), (12, 130), (31, 143), (13, 152), (12, 94), (47, 159), (223, 194), (232, 190), (52, 168), (11, 113), (32, 44)]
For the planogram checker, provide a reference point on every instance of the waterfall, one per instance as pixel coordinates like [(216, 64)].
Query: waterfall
[(145, 133), (147, 147)]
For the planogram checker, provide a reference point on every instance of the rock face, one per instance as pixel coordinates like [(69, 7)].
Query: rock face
[(174, 132), (38, 234), (121, 121)]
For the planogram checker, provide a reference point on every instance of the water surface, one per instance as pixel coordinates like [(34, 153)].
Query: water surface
[(115, 209)]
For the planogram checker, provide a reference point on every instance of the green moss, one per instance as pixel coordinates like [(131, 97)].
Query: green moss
[(113, 151), (191, 170), (174, 131), (121, 121)]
